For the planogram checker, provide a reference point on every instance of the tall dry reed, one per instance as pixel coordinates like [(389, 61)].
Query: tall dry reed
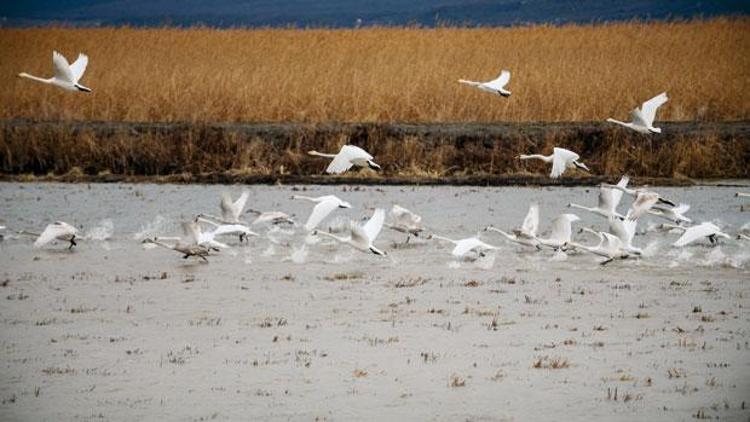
[(568, 73)]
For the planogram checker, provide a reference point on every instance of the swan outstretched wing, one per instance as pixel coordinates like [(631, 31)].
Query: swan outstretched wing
[(62, 68), (694, 233), (343, 160), (233, 229), (53, 231), (561, 227), (500, 81), (231, 211), (560, 159), (79, 66), (648, 109), (465, 245), (320, 212), (374, 224), (643, 202), (404, 217), (623, 229), (616, 194), (612, 244), (531, 222), (239, 205), (681, 209), (193, 233)]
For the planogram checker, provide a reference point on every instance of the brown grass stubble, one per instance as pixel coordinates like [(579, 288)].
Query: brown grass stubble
[(421, 152), (567, 73)]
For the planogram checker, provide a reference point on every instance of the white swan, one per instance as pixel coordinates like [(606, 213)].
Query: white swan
[(644, 200), (66, 75), (691, 234), (59, 230), (221, 229), (348, 156), (187, 250), (643, 119), (625, 229), (325, 205), (560, 158), (608, 200), (495, 86), (742, 195), (610, 247), (272, 217), (362, 237), (464, 246), (526, 234), (405, 221), (562, 231), (674, 214)]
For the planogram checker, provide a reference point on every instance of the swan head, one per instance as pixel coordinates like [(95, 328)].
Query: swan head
[(22, 75), (570, 205), (345, 204)]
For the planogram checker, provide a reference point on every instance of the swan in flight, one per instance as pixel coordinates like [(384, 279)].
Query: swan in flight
[(643, 118), (691, 234), (362, 237), (348, 156), (219, 229), (526, 234), (625, 229), (464, 246), (673, 214), (610, 247), (325, 206), (742, 195), (59, 230), (405, 221), (66, 75), (560, 158), (562, 231), (271, 217), (608, 200), (230, 211), (187, 250), (496, 86), (644, 200)]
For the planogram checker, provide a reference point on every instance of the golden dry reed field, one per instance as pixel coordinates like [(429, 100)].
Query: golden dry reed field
[(567, 73)]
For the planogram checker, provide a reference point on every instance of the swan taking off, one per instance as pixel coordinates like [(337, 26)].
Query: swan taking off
[(271, 217), (66, 75), (59, 230), (691, 234), (496, 86), (464, 246), (674, 214), (202, 237), (326, 205), (644, 200), (562, 231), (608, 200), (405, 221), (561, 159), (362, 237), (610, 247), (346, 158), (526, 234), (643, 118)]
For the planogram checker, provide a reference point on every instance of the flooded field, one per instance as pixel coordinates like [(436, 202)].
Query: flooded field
[(292, 327)]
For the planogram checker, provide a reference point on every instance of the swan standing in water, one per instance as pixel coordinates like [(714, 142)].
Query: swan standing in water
[(464, 246), (405, 221), (560, 158), (495, 86), (562, 231), (691, 234), (644, 200), (348, 156), (643, 118), (325, 206), (526, 234), (608, 200), (362, 237), (59, 230), (66, 75)]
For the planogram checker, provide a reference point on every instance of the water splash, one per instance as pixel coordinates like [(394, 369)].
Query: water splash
[(158, 225), (299, 255), (101, 231)]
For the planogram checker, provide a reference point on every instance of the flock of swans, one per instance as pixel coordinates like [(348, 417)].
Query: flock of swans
[(200, 236)]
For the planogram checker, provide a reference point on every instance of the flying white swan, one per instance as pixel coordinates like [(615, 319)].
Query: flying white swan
[(691, 234), (464, 246), (496, 86), (187, 250), (625, 229), (405, 221), (673, 214), (362, 237), (348, 156), (230, 211), (218, 230), (560, 158), (562, 231), (742, 195), (66, 75), (526, 234), (742, 236), (59, 230), (325, 205), (271, 217), (644, 200), (610, 247), (608, 200), (643, 119)]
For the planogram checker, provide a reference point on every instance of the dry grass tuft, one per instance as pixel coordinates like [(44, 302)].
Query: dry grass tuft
[(560, 73)]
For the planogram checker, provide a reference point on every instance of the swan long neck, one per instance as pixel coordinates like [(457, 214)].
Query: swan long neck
[(34, 78), (309, 198), (545, 158), (435, 236), (580, 207), (496, 230), (320, 154), (333, 236), (619, 122), (208, 219)]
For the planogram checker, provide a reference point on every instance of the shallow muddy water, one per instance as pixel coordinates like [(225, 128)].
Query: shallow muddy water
[(290, 327)]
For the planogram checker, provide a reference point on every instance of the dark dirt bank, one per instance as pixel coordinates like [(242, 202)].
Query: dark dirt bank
[(477, 154)]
